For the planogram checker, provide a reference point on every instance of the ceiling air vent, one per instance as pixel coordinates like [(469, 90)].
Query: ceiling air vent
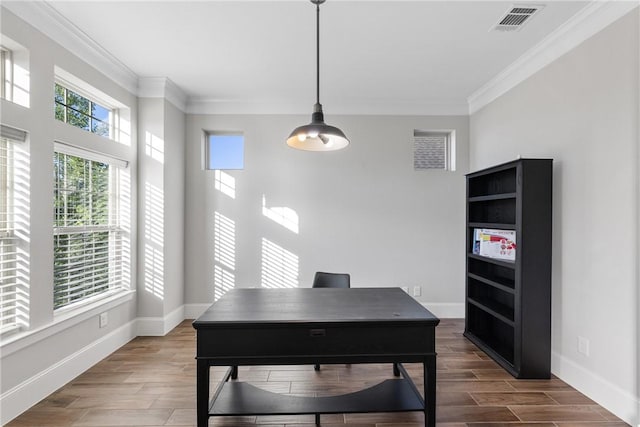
[(516, 17)]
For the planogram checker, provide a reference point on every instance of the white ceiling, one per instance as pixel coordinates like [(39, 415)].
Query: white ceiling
[(376, 56)]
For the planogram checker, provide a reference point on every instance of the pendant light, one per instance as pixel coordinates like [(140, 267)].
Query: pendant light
[(317, 135)]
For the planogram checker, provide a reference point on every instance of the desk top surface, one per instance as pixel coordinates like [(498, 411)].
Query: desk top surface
[(319, 305)]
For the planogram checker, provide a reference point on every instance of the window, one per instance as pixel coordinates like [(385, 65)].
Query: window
[(433, 150), (224, 151), (13, 262), (85, 106), (81, 112), (90, 243)]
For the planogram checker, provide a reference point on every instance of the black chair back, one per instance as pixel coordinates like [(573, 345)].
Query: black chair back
[(331, 280)]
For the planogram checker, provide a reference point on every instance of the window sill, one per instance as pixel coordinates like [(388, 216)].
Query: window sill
[(61, 321)]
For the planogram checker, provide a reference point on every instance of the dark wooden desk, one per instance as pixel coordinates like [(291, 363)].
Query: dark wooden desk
[(309, 326)]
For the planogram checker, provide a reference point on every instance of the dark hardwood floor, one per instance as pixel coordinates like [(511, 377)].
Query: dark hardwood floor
[(151, 382)]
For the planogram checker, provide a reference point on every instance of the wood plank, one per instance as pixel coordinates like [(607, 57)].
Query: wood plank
[(112, 402), (475, 386), (48, 416), (123, 417), (557, 413), (507, 399), (571, 397), (454, 399), (540, 385), (463, 414)]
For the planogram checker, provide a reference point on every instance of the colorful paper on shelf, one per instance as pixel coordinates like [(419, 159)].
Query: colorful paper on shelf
[(499, 244)]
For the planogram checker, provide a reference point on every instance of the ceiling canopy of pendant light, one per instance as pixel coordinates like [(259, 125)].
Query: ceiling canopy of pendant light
[(317, 135)]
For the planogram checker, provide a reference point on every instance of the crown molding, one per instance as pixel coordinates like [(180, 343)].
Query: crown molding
[(53, 24), (591, 19), (381, 107), (162, 87)]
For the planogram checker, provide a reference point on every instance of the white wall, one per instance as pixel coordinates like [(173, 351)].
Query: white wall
[(161, 127), (582, 111), (175, 122), (362, 210), (56, 348)]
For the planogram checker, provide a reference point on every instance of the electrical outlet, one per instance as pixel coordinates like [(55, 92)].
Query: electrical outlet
[(583, 346), (405, 289), (417, 291), (104, 319)]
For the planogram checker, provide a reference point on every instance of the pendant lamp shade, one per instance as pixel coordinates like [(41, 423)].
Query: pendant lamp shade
[(317, 135)]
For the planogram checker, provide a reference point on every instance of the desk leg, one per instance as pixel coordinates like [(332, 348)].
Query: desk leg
[(202, 390), (430, 391)]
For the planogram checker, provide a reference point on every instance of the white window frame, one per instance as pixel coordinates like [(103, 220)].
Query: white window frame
[(120, 114), (118, 261)]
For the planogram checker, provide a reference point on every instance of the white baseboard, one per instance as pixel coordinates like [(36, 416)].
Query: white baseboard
[(159, 326), (15, 401), (446, 310), (619, 402), (193, 311)]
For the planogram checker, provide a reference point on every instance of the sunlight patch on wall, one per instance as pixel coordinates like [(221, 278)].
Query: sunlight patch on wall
[(154, 147), (14, 71), (224, 241), (224, 254), (21, 85), (223, 281), (122, 125), (286, 217), (154, 270), (279, 266), (154, 240), (225, 183)]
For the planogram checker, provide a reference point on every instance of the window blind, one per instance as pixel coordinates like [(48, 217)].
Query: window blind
[(13, 263), (88, 238), (430, 150), (8, 291)]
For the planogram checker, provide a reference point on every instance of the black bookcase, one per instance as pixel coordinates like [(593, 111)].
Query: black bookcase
[(508, 302)]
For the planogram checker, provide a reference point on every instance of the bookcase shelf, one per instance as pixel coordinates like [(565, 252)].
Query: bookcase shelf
[(494, 274), (504, 263), (504, 288), (508, 303), (492, 197), (500, 225), (495, 309), (500, 211)]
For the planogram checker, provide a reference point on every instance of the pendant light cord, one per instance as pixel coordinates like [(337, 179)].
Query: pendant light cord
[(317, 53)]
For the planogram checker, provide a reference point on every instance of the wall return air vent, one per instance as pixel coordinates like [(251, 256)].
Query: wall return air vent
[(515, 18)]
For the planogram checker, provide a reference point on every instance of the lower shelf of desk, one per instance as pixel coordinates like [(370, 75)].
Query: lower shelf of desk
[(240, 398)]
